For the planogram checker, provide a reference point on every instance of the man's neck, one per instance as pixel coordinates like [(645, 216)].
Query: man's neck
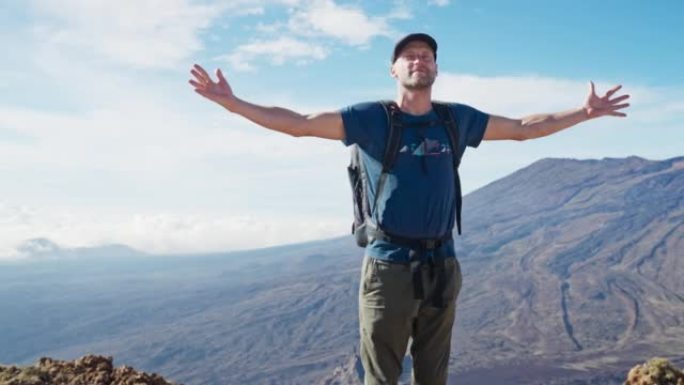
[(415, 102)]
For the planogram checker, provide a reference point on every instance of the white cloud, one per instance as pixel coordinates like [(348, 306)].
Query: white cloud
[(150, 163), (138, 33), (151, 166), (349, 24), (439, 3), (401, 11), (511, 95), (158, 232), (657, 110), (239, 62), (155, 141), (517, 96), (250, 11), (278, 51), (311, 28)]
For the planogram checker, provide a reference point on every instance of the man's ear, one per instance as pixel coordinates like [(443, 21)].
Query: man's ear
[(392, 72), (436, 69)]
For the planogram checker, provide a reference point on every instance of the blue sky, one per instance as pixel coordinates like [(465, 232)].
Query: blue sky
[(103, 141)]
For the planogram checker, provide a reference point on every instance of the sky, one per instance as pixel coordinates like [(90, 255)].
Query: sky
[(102, 140)]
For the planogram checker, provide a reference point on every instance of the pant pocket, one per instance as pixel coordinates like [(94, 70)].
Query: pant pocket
[(386, 284), (366, 275)]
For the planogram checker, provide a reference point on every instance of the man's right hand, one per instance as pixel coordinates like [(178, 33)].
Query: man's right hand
[(326, 125), (219, 92)]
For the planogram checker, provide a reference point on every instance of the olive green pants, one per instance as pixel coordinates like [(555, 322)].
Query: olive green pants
[(389, 315)]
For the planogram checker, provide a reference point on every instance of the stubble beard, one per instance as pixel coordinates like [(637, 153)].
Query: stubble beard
[(419, 82)]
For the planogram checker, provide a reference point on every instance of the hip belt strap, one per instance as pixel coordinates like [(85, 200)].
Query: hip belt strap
[(421, 253)]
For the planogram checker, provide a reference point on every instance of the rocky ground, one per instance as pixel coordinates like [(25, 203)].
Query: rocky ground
[(97, 370), (88, 370), (657, 371)]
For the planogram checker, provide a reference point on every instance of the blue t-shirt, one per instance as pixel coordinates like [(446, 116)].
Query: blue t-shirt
[(418, 199)]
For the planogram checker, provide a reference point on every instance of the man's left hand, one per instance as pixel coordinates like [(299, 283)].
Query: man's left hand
[(596, 106)]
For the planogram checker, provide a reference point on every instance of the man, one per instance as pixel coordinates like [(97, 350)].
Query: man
[(416, 205)]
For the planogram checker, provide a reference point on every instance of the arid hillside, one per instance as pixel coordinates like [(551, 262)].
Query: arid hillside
[(572, 275)]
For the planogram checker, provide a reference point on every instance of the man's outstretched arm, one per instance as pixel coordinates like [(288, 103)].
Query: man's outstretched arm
[(327, 125), (539, 125)]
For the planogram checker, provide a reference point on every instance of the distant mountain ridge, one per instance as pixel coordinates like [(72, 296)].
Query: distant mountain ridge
[(45, 249), (572, 274)]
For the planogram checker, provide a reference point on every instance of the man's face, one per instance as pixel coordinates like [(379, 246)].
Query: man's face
[(415, 67)]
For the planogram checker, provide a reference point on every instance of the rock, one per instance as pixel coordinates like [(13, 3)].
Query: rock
[(657, 371), (90, 369)]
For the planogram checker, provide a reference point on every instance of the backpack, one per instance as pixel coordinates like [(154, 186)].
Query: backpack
[(363, 228)]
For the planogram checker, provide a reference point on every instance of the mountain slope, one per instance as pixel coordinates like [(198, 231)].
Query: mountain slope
[(575, 261), (572, 272)]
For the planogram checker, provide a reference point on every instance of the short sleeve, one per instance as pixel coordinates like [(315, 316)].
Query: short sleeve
[(473, 122), (364, 125)]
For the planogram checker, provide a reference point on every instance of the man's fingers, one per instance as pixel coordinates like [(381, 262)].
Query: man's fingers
[(604, 105), (199, 76), (613, 90), (196, 85), (219, 75), (203, 93), (202, 72), (619, 99)]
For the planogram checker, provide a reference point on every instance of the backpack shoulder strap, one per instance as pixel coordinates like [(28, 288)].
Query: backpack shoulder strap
[(446, 114), (393, 134), (391, 150)]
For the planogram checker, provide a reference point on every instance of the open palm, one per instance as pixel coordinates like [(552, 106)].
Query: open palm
[(219, 92), (601, 106)]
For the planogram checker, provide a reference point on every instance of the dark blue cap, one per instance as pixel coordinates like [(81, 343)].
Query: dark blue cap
[(414, 37)]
